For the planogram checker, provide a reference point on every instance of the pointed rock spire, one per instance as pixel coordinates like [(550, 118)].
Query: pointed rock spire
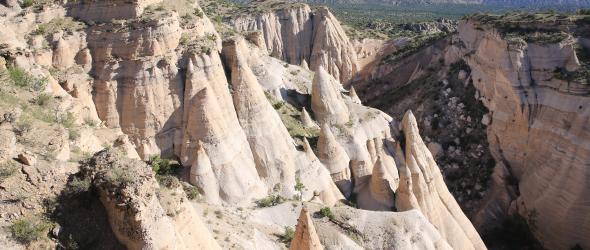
[(304, 64), (326, 102), (355, 98), (307, 121), (202, 176), (305, 237), (422, 187), (307, 149), (269, 139), (381, 189), (334, 157)]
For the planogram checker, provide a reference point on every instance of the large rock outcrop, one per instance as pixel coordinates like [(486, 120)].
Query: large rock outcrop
[(137, 217), (299, 35), (538, 125), (422, 187), (272, 146)]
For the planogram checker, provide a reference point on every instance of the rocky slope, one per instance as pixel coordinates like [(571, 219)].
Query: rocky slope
[(222, 125)]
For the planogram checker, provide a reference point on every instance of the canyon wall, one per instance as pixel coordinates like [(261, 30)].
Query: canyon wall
[(539, 128)]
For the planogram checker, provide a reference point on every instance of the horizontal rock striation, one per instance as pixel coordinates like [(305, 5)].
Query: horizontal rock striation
[(302, 36)]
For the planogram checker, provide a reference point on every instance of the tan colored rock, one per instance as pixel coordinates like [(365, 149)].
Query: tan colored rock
[(27, 158), (422, 187), (380, 187), (138, 219), (355, 98), (334, 157), (7, 142), (538, 126), (202, 176), (319, 185), (307, 121), (230, 156), (326, 101), (298, 35), (109, 10), (270, 142), (305, 237)]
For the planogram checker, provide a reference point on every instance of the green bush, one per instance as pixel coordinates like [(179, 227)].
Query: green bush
[(78, 185), (287, 236), (270, 201), (23, 126), (27, 3), (162, 166), (119, 176), (7, 169), (20, 77), (299, 185), (326, 212), (73, 134), (67, 120), (42, 99), (192, 192), (27, 230)]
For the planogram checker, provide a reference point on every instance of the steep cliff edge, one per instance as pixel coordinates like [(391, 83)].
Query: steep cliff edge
[(533, 83), (297, 34)]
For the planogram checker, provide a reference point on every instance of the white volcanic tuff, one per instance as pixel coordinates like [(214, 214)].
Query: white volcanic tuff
[(326, 101), (422, 187), (539, 126), (334, 157), (202, 176), (146, 70), (301, 36), (272, 146), (105, 11), (228, 150)]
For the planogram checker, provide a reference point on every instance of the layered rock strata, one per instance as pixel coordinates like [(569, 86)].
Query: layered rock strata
[(299, 35), (538, 127)]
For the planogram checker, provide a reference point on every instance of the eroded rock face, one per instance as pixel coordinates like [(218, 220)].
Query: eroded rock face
[(422, 187), (143, 222), (302, 36), (538, 126), (272, 146)]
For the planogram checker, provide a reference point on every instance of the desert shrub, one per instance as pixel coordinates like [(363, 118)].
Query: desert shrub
[(78, 185), (326, 212), (73, 134), (89, 122), (270, 201), (27, 3), (184, 39), (584, 12), (287, 236), (23, 126), (119, 176), (20, 77), (192, 192), (299, 185), (162, 166), (27, 230), (42, 99), (7, 169), (67, 120)]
